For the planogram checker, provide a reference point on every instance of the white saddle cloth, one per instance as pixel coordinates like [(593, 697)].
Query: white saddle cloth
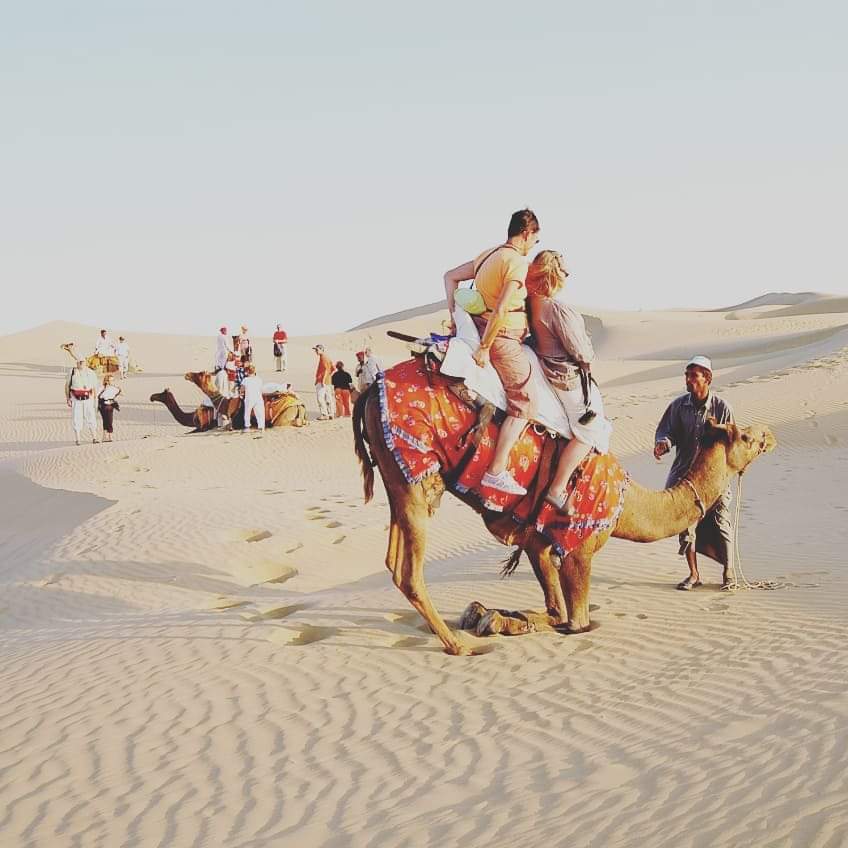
[(487, 384), (551, 412)]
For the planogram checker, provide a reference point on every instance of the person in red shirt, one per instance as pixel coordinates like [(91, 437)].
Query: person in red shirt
[(280, 340)]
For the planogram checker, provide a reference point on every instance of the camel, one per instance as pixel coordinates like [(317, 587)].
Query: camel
[(647, 516), (281, 410), (100, 364)]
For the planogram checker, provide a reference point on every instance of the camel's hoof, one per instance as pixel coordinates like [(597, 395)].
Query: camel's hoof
[(458, 650), (471, 615), (569, 629)]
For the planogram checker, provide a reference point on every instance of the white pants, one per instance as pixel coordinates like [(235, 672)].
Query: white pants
[(282, 361), (257, 408), (84, 416), (124, 364), (326, 399)]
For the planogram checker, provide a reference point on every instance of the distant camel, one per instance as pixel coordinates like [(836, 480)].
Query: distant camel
[(101, 364), (281, 410), (647, 515)]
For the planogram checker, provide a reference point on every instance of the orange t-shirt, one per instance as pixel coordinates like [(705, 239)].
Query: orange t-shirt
[(324, 372), (505, 265)]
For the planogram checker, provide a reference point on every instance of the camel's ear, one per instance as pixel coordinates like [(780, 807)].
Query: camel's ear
[(715, 432)]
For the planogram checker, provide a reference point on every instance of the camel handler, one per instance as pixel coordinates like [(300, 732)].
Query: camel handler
[(681, 427), (79, 394), (499, 275)]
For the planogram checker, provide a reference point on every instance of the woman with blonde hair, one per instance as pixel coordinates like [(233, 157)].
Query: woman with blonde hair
[(565, 353)]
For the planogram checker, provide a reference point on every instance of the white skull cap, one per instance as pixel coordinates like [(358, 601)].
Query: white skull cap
[(701, 362)]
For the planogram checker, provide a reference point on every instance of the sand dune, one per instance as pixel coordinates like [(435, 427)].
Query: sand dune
[(201, 644)]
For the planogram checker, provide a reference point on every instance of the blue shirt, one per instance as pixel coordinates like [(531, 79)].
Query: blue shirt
[(682, 425)]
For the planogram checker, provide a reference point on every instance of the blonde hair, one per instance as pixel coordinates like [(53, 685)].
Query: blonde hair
[(546, 275)]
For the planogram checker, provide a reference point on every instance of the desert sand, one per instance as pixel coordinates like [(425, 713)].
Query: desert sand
[(201, 645)]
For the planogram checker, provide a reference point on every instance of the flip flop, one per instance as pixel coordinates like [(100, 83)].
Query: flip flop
[(688, 584)]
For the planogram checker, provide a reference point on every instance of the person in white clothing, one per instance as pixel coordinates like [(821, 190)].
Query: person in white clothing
[(122, 351), (224, 345), (79, 394), (254, 404), (222, 384), (104, 346), (371, 367)]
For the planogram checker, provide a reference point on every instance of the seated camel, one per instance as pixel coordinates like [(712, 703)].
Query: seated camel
[(282, 409), (645, 516), (101, 364)]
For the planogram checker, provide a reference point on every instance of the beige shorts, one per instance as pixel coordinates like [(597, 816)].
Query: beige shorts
[(513, 367)]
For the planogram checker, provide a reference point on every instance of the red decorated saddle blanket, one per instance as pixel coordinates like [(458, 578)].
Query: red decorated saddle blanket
[(428, 429)]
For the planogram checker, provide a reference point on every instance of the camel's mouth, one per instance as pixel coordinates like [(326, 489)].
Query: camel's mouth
[(769, 442)]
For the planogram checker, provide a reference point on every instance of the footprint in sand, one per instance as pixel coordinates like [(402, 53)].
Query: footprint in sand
[(258, 536), (297, 547), (277, 613), (339, 540), (411, 642), (286, 574), (296, 637), (641, 616), (228, 603), (333, 524)]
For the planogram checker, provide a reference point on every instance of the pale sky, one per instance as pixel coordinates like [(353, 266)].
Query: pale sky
[(172, 166)]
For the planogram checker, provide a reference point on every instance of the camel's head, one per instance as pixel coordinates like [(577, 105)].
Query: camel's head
[(159, 397), (201, 379), (743, 444)]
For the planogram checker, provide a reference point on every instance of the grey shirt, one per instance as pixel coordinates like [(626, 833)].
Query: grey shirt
[(682, 425), (559, 339)]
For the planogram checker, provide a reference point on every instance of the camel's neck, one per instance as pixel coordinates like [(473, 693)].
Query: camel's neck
[(649, 515), (210, 390), (182, 417)]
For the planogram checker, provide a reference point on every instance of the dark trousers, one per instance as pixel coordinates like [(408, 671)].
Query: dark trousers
[(107, 410)]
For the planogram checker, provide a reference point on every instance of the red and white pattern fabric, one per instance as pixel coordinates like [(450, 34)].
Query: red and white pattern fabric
[(426, 426)]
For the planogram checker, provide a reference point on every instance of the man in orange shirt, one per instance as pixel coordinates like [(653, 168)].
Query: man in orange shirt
[(324, 384), (499, 274)]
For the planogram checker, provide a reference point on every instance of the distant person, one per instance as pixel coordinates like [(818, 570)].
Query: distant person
[(241, 371), (371, 367), (223, 347), (107, 404), (221, 381), (254, 403), (245, 348), (79, 394), (342, 385), (324, 384), (122, 351), (681, 427), (360, 370), (230, 367), (499, 274), (280, 340), (104, 345)]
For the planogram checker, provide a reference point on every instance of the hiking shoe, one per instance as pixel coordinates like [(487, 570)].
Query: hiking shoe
[(503, 482)]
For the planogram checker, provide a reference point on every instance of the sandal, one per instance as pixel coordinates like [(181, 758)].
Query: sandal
[(688, 584)]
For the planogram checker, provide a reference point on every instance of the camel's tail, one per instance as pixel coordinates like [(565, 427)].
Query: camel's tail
[(511, 562), (366, 461)]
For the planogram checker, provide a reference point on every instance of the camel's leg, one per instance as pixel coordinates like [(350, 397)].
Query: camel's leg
[(546, 568), (405, 559), (574, 574), (516, 623)]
